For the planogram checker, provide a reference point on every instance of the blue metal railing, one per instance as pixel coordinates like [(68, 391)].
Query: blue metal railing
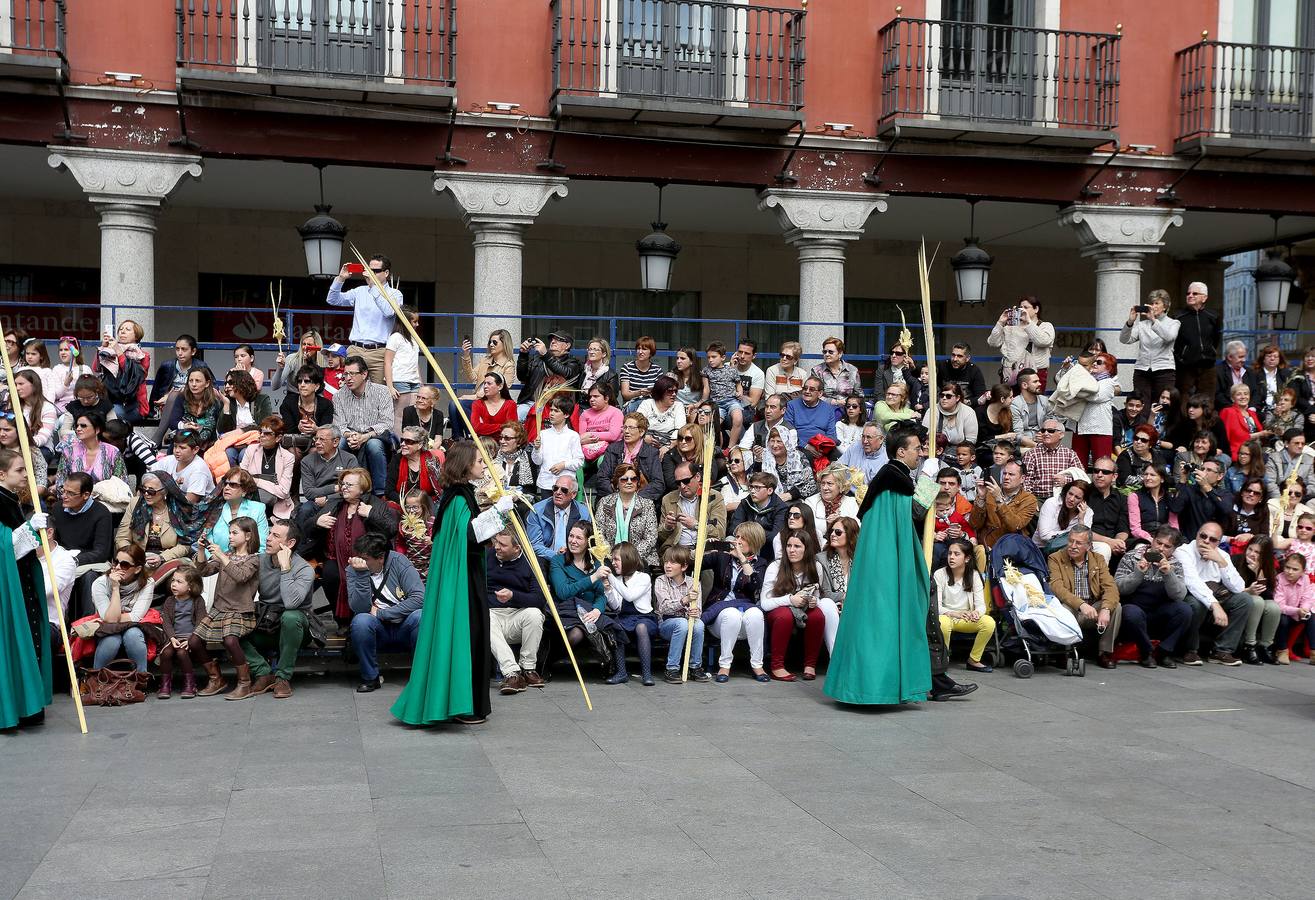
[(451, 326)]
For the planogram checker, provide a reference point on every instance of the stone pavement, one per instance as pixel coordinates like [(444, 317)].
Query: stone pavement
[(1194, 783)]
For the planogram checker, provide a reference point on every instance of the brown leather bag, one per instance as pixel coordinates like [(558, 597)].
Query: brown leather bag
[(118, 684)]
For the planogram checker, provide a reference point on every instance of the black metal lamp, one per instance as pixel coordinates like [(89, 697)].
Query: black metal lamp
[(972, 266), (657, 253), (322, 235)]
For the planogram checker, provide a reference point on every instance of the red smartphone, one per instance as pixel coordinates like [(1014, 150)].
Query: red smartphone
[(356, 269)]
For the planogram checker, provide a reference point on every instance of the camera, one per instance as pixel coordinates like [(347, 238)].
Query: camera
[(1141, 308), (1013, 315), (1154, 556)]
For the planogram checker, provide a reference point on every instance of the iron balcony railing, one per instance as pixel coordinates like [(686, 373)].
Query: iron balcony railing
[(999, 73), (713, 51), (397, 40), (1254, 91), (34, 28)]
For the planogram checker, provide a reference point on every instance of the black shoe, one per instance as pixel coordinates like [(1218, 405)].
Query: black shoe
[(1148, 662), (699, 674), (646, 680), (1249, 655), (618, 677), (1166, 661), (672, 676), (957, 690), (373, 684), (1266, 655)]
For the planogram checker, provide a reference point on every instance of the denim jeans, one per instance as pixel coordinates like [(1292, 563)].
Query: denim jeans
[(370, 635), (373, 455), (454, 419), (131, 642), (674, 631)]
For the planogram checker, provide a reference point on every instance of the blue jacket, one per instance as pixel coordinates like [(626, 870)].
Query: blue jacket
[(570, 584), (516, 577), (539, 526), (400, 577), (253, 509), (821, 419)]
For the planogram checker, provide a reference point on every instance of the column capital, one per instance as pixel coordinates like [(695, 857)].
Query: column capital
[(821, 215), (499, 200), (125, 176), (1119, 229)]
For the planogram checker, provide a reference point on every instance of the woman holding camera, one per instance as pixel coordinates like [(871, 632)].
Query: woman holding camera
[(1154, 331), (1024, 341)]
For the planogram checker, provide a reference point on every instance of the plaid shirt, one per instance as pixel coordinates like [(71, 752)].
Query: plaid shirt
[(1081, 580), (371, 413), (1041, 465)]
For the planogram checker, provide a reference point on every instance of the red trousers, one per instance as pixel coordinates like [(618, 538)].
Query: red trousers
[(780, 624), (1091, 447)]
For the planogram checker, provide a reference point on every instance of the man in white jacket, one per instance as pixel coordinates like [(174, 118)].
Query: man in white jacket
[(1215, 589), (1153, 331)]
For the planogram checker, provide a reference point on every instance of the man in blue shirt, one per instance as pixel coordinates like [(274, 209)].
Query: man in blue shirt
[(868, 453), (808, 415), (552, 518), (372, 317)]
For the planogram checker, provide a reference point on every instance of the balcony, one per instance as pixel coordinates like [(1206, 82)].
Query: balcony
[(397, 52), (687, 62), (1248, 100), (32, 40), (1007, 84)]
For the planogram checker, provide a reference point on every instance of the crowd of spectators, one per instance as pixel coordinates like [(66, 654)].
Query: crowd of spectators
[(1173, 516)]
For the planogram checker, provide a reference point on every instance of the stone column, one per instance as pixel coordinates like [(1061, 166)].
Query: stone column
[(127, 188), (498, 209), (818, 224), (1117, 238)]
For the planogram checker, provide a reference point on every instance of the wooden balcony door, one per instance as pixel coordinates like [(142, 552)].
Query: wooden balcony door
[(1272, 80), (324, 37), (988, 66), (673, 50)]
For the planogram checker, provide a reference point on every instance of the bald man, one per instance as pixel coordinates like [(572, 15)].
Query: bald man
[(1196, 351)]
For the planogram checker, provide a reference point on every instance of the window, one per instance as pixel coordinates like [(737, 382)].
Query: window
[(619, 316), (33, 299)]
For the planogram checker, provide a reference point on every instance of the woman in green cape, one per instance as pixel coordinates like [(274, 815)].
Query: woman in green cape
[(25, 675), (450, 671), (881, 652)]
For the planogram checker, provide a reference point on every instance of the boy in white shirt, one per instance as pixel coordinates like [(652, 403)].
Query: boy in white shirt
[(557, 448)]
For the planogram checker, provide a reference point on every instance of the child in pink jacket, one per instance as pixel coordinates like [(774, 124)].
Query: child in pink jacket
[(1295, 594)]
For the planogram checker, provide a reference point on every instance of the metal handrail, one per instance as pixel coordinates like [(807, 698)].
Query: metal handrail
[(411, 40), (40, 32), (999, 73), (715, 51), (1259, 91)]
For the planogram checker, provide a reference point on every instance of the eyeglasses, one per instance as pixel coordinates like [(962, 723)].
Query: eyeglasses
[(625, 478), (506, 437), (413, 441), (684, 481), (124, 564), (264, 433), (1050, 430), (561, 490), (1103, 471), (1210, 539)]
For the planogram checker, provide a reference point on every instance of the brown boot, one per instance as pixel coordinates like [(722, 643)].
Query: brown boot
[(282, 690), (262, 684), (243, 689), (215, 684)]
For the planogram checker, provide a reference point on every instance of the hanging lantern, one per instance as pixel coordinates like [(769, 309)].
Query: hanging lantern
[(1274, 279), (972, 266), (322, 236), (657, 254)]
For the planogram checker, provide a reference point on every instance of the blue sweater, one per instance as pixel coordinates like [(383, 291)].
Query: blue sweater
[(821, 419), (516, 577)]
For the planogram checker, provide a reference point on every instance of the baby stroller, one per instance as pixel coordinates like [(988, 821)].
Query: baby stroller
[(1037, 630)]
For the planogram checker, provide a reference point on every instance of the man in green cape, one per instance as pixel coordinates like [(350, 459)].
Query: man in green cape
[(885, 640)]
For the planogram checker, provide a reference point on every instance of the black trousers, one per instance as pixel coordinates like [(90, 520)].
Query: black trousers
[(1166, 622)]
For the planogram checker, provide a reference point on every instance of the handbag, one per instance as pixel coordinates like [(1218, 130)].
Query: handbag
[(118, 684), (269, 617), (1218, 591)]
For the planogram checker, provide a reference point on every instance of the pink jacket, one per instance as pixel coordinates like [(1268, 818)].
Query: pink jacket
[(1293, 598), (606, 425), (281, 486)]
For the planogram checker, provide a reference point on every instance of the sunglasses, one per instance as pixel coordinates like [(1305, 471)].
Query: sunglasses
[(561, 490), (627, 478), (795, 514), (272, 434), (1214, 540), (233, 484), (1103, 471), (1251, 491), (1050, 430), (948, 396), (789, 356), (506, 437), (1141, 439), (837, 532), (151, 492), (684, 481), (686, 437), (124, 564), (413, 441), (306, 381)]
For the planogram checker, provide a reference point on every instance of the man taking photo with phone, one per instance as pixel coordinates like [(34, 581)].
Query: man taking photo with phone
[(372, 315)]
